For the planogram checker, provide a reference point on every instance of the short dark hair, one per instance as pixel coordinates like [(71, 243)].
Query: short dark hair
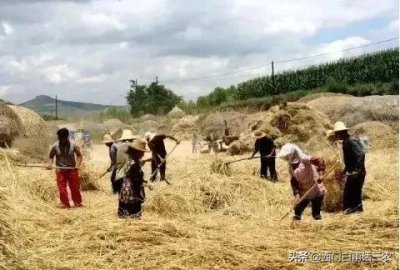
[(63, 133)]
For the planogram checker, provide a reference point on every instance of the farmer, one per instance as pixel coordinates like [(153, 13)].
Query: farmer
[(127, 136), (64, 152), (112, 151), (354, 171), (306, 175), (194, 143), (131, 189), (157, 147), (266, 147)]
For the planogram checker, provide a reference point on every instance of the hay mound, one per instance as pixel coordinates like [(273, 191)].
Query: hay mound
[(186, 126), (89, 177), (33, 124), (234, 148), (294, 122), (333, 181), (354, 110), (10, 126), (148, 125), (379, 134), (148, 117), (176, 112), (220, 167), (213, 125)]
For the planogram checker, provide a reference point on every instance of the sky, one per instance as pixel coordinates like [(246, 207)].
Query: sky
[(88, 50)]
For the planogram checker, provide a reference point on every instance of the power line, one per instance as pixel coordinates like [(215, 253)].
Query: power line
[(277, 62)]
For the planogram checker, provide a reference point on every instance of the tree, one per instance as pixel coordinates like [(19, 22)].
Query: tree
[(154, 99)]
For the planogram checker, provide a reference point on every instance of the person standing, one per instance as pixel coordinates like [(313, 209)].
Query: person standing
[(306, 177), (131, 187), (266, 147), (157, 147), (64, 152), (194, 143), (112, 151), (354, 170)]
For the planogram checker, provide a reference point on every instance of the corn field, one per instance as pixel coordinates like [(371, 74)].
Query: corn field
[(381, 67)]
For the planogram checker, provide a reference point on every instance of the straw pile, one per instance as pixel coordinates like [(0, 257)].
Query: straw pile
[(90, 177), (292, 123), (186, 126), (148, 125), (220, 167), (34, 125), (176, 112), (10, 126), (148, 117), (355, 110), (379, 134)]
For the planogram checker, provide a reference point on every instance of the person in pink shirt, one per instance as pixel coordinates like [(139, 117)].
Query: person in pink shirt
[(306, 173)]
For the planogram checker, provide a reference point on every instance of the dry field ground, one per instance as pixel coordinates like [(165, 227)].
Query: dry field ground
[(201, 221)]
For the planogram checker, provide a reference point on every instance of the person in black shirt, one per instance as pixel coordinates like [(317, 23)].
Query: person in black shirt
[(354, 171), (266, 147), (157, 146)]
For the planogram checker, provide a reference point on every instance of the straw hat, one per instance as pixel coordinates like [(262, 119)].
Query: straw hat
[(127, 135), (339, 126), (329, 133), (139, 145), (259, 134), (107, 139)]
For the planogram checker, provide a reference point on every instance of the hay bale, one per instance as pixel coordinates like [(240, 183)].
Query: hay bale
[(34, 125), (176, 112), (10, 126), (379, 134)]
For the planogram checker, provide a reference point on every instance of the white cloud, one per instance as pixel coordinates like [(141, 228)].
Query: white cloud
[(92, 79), (60, 74), (101, 21), (4, 89), (337, 47), (8, 29)]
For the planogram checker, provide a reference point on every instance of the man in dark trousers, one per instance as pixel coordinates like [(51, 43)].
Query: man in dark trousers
[(157, 147), (112, 150), (354, 171), (266, 147)]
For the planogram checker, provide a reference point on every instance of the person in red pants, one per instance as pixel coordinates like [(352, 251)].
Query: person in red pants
[(64, 152)]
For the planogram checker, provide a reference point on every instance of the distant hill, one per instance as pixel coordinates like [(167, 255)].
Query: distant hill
[(46, 105)]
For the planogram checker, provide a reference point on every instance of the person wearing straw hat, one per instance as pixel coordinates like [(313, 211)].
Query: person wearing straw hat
[(266, 147), (354, 169), (127, 136), (64, 152), (131, 187), (112, 151), (306, 175), (157, 147)]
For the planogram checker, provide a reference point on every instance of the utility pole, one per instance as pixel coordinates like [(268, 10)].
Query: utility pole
[(56, 108), (156, 79), (273, 82)]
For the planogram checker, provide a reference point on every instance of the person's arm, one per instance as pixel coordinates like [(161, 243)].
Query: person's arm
[(320, 164), (256, 149), (78, 156), (172, 138), (51, 158), (295, 187)]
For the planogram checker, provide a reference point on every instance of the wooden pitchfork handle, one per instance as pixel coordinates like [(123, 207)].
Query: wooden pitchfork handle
[(162, 162), (306, 194)]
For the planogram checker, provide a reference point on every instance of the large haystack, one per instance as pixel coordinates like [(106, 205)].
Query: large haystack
[(148, 117), (176, 112), (296, 123), (355, 110), (186, 126), (148, 125), (379, 134), (10, 126), (33, 124)]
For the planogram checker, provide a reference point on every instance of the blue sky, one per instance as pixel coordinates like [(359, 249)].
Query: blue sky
[(89, 50)]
